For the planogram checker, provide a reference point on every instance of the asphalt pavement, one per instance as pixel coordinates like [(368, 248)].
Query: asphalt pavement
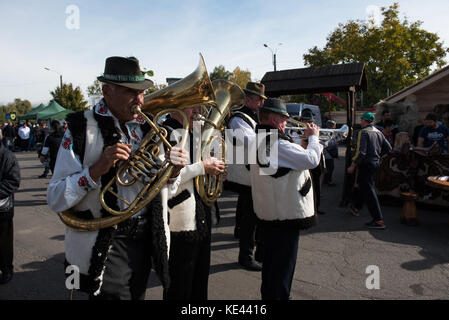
[(338, 260)]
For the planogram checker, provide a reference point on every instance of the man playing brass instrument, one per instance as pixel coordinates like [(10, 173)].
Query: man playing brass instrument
[(190, 223), (114, 262), (238, 179), (283, 200)]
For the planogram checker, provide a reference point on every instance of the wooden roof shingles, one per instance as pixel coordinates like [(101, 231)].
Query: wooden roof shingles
[(335, 78)]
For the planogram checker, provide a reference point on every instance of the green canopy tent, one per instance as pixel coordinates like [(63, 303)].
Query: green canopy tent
[(33, 112), (52, 109), (60, 115)]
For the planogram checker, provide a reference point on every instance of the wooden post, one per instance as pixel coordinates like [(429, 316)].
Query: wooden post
[(348, 182)]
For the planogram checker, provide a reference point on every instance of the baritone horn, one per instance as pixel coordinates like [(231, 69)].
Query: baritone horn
[(229, 97), (144, 166)]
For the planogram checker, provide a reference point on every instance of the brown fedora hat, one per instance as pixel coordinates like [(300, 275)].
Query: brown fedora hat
[(125, 72), (255, 88)]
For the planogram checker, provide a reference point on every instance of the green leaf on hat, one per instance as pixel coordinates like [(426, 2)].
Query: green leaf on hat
[(149, 73)]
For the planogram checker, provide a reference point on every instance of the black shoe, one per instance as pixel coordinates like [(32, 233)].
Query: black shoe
[(379, 225), (251, 265), (6, 277), (321, 212), (42, 176)]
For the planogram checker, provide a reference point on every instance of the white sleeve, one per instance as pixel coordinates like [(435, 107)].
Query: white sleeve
[(241, 130), (293, 156), (70, 181), (191, 171)]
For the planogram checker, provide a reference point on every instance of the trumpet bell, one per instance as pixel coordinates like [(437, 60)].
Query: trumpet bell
[(194, 90)]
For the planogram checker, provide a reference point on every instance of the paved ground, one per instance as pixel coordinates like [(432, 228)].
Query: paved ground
[(413, 262)]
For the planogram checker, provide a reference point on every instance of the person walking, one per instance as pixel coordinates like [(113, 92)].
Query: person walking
[(51, 146), (371, 145)]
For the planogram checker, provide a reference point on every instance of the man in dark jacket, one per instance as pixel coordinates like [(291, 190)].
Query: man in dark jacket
[(9, 183), (51, 146), (371, 145), (9, 133)]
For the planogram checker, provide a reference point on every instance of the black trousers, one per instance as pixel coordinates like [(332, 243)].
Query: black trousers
[(128, 265), (279, 262), (368, 195), (6, 244), (248, 226), (316, 183), (189, 265), (330, 165)]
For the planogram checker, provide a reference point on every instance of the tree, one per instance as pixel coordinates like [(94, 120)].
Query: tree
[(70, 98), (397, 53), (154, 88), (19, 106), (95, 89), (240, 77), (220, 73)]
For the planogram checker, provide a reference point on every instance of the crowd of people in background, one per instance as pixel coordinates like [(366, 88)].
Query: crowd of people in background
[(25, 135)]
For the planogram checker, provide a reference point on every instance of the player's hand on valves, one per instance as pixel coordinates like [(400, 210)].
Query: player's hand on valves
[(108, 158), (213, 166), (311, 130)]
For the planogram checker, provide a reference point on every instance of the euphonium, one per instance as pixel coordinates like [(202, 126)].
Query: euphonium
[(229, 97), (143, 165)]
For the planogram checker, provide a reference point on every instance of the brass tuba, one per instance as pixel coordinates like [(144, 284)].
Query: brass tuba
[(143, 165), (229, 97)]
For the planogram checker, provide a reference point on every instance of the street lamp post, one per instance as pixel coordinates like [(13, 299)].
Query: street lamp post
[(60, 75), (273, 53)]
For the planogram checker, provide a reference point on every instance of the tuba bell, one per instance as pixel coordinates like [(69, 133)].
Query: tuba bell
[(143, 165), (229, 97)]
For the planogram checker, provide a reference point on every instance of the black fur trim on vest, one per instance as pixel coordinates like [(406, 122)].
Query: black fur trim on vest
[(281, 135), (159, 247), (180, 198), (77, 123)]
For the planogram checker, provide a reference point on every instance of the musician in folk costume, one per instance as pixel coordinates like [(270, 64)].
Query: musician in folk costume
[(283, 196), (189, 222), (114, 262), (244, 122)]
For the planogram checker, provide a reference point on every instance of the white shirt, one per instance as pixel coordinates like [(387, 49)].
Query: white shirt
[(24, 133)]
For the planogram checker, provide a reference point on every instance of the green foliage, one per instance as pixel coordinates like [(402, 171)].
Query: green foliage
[(220, 73), (95, 89), (70, 98), (240, 77), (155, 88), (397, 53), (20, 107)]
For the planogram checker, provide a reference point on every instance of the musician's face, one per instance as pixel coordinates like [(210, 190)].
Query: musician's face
[(279, 122), (120, 101), (254, 102)]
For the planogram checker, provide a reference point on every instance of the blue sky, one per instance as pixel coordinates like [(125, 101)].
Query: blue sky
[(167, 36)]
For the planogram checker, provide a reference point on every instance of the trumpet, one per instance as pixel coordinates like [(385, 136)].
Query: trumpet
[(327, 133)]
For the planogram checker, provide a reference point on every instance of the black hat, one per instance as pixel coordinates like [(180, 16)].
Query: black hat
[(255, 88), (275, 105), (307, 115), (125, 72)]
